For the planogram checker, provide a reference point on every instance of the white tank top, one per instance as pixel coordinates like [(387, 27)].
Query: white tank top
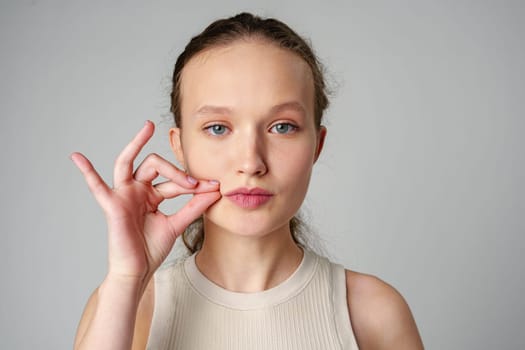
[(306, 311)]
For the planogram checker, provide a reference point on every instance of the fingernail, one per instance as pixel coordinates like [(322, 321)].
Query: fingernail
[(214, 182), (191, 180)]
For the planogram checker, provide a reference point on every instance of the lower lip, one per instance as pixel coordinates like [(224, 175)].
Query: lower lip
[(249, 201)]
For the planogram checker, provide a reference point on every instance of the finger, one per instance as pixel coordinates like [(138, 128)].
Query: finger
[(169, 189), (154, 165), (96, 184), (124, 164), (191, 211)]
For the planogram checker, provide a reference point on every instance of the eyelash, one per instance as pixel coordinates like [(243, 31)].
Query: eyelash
[(208, 129), (290, 125)]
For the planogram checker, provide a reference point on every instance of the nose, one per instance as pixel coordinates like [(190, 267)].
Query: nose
[(252, 155)]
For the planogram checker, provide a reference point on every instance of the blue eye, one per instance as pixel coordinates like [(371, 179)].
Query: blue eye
[(216, 129), (283, 128)]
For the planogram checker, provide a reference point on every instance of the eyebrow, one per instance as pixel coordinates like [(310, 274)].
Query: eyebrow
[(291, 105)]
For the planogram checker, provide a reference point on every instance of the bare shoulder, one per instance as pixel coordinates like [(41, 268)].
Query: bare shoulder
[(380, 316)]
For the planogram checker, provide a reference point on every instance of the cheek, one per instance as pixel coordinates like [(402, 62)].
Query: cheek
[(294, 163), (204, 163)]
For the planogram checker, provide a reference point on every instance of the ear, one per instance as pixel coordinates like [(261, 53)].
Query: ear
[(321, 136), (176, 146)]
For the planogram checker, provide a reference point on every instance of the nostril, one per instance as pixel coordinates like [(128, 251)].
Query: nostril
[(253, 166), (252, 156)]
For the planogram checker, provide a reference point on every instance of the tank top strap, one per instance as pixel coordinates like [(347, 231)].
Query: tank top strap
[(341, 310)]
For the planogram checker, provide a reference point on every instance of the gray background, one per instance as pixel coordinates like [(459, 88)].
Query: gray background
[(420, 183)]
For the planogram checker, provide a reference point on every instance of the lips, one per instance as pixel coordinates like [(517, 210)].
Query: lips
[(249, 198)]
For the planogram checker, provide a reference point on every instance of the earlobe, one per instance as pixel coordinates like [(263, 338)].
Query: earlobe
[(321, 136), (176, 146)]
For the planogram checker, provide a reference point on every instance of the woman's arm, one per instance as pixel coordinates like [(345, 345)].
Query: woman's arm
[(144, 315), (110, 311), (140, 236), (381, 319)]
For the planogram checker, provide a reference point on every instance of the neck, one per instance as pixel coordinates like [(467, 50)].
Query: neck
[(248, 264)]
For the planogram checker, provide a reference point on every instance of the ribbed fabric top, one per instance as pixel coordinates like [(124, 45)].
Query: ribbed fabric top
[(306, 311), (249, 301)]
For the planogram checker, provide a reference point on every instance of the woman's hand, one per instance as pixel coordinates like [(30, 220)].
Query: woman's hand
[(140, 236)]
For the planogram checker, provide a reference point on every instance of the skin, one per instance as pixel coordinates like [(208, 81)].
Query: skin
[(263, 109), (139, 237), (262, 136)]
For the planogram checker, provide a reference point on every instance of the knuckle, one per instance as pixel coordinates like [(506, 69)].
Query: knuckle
[(153, 157)]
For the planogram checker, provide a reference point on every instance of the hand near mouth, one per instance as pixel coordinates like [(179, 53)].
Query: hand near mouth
[(140, 236)]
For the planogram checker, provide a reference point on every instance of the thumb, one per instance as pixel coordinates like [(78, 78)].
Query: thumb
[(191, 211)]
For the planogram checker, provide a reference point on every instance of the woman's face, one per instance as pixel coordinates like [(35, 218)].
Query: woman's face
[(247, 122)]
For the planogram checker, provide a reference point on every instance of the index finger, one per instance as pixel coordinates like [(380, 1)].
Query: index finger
[(124, 163), (170, 189)]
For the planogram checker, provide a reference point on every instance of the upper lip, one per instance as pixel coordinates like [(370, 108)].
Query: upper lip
[(249, 191)]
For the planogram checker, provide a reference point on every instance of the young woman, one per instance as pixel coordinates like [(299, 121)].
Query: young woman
[(248, 99)]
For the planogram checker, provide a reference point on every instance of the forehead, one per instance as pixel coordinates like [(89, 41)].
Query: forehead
[(246, 75)]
